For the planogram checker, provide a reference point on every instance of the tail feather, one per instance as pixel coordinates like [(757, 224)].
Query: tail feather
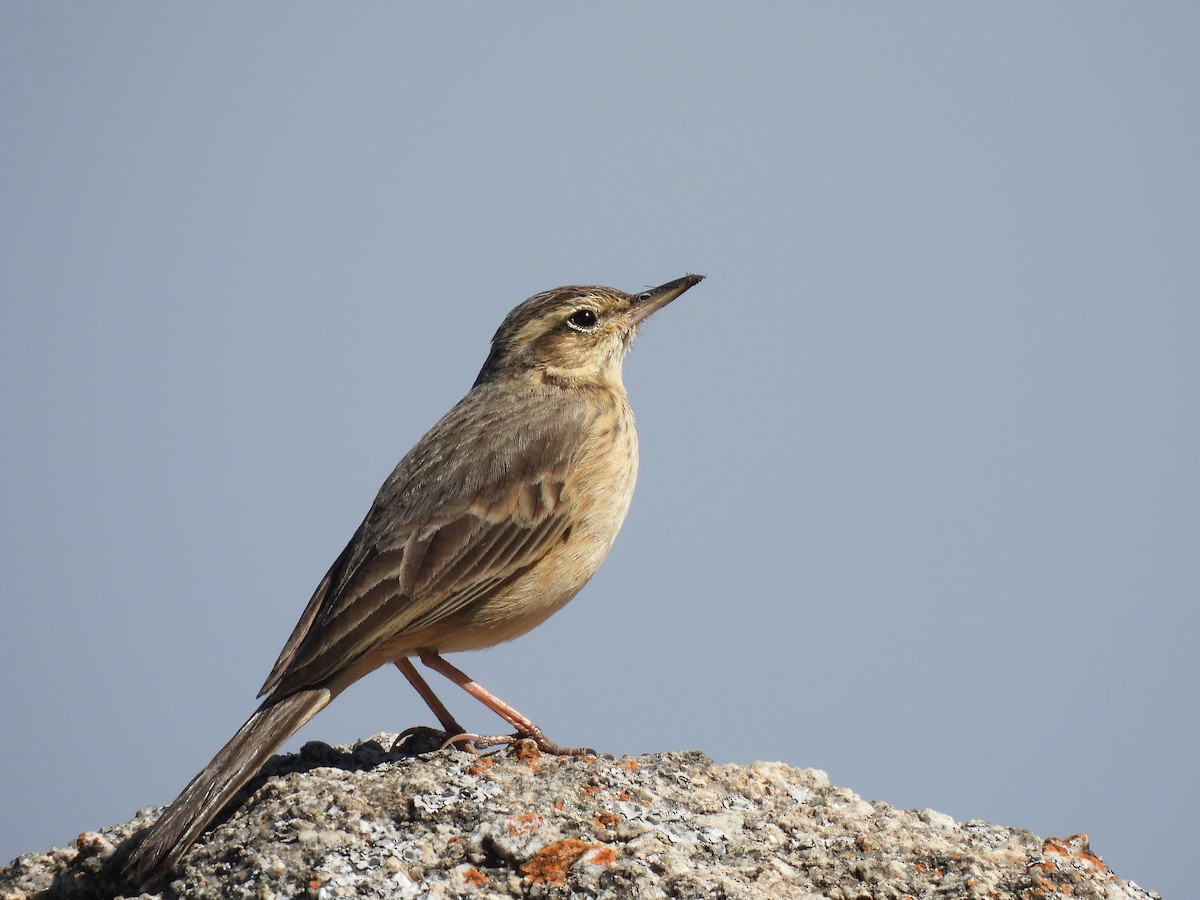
[(206, 795)]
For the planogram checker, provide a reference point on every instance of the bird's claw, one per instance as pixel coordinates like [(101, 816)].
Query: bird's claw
[(420, 739), (423, 739)]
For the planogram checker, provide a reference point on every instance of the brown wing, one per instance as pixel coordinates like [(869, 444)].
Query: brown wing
[(479, 499)]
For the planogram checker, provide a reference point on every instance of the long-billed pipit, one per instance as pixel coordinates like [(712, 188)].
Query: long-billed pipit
[(491, 523)]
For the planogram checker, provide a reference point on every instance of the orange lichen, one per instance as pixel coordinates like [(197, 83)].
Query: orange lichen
[(480, 765), (526, 823), (1077, 846), (88, 840), (551, 864), (474, 877), (527, 752), (607, 820), (603, 856)]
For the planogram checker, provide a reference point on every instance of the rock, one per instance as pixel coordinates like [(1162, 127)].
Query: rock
[(363, 822)]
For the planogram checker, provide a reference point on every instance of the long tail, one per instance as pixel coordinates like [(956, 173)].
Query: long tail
[(235, 764)]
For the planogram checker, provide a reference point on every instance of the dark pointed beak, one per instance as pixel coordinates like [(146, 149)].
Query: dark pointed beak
[(649, 302)]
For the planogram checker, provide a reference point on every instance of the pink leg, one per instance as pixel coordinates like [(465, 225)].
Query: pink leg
[(453, 734), (427, 694), (525, 727)]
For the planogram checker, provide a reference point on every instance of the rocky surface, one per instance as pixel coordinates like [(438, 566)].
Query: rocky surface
[(363, 822)]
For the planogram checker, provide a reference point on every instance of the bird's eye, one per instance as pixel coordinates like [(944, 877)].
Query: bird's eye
[(582, 319)]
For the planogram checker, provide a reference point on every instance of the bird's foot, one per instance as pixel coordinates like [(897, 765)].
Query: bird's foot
[(523, 746), (423, 739), (545, 745), (478, 744)]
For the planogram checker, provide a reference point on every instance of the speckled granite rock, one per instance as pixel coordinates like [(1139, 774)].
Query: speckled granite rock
[(360, 822)]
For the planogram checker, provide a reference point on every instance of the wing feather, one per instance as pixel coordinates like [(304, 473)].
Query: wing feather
[(480, 498)]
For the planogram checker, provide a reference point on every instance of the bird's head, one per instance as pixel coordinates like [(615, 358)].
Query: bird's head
[(575, 335)]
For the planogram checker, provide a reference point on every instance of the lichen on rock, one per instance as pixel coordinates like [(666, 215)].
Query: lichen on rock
[(360, 821)]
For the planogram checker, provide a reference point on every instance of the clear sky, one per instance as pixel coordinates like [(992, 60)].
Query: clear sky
[(919, 499)]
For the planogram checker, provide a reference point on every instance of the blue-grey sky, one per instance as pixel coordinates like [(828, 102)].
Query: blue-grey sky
[(919, 498)]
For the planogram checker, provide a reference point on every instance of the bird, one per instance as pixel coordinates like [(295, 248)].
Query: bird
[(491, 523)]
